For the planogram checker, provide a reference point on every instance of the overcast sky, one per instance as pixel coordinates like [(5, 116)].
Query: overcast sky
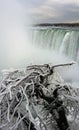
[(36, 11), (52, 10)]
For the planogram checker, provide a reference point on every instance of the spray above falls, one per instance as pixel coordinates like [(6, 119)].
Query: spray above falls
[(14, 42)]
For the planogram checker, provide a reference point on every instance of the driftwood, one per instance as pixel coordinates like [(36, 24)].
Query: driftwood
[(24, 96)]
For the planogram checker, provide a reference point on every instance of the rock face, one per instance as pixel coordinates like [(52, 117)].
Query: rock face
[(35, 97)]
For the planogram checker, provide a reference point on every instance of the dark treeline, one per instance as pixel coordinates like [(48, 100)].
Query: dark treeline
[(57, 24)]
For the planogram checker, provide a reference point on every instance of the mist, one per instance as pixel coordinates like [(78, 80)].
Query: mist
[(14, 41)]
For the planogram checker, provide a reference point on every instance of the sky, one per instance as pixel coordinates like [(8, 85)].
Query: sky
[(41, 11), (52, 11)]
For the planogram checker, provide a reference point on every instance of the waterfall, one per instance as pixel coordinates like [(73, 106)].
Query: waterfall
[(64, 41)]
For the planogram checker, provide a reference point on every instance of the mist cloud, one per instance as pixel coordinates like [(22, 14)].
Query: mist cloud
[(13, 36)]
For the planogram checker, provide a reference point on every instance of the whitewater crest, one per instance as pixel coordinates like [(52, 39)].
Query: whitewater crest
[(64, 41)]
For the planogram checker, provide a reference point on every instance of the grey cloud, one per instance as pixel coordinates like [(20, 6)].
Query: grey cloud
[(65, 12), (70, 13)]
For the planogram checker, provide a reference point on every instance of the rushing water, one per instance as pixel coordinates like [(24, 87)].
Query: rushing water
[(62, 40)]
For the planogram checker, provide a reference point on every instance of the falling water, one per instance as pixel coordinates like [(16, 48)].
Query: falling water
[(63, 41)]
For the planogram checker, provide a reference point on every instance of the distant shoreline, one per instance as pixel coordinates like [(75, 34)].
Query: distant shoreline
[(56, 24)]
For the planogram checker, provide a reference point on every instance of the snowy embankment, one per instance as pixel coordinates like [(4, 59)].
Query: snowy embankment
[(24, 95)]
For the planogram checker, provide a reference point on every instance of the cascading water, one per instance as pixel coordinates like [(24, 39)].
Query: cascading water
[(63, 41)]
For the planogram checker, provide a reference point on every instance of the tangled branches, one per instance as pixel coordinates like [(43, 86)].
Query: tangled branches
[(26, 98)]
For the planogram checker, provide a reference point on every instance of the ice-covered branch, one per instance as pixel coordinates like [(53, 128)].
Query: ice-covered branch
[(24, 92)]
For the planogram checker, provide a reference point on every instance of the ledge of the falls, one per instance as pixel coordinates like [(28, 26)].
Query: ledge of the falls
[(58, 24)]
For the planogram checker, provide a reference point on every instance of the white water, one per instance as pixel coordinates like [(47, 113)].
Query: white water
[(64, 43), (62, 40)]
